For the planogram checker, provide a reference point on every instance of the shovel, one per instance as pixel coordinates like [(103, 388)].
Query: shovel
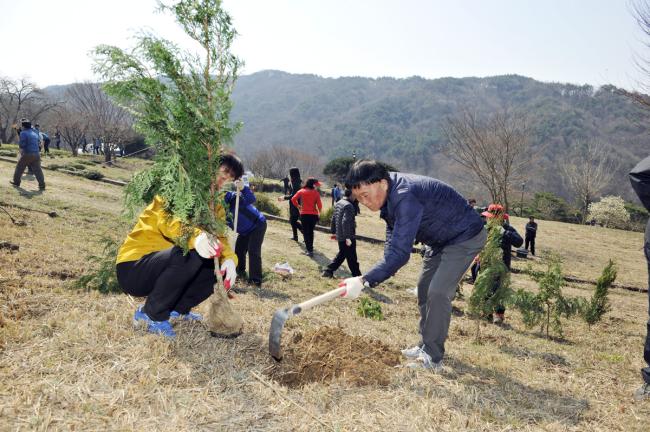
[(282, 315)]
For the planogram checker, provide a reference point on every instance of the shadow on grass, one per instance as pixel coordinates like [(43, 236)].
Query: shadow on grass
[(523, 353), (499, 396)]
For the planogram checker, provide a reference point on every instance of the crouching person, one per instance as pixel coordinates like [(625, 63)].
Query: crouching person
[(150, 265), (427, 210)]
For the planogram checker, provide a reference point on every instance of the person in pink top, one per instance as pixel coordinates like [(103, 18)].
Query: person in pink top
[(308, 202)]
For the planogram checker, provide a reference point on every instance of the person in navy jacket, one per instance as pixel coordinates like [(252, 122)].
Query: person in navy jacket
[(251, 228), (423, 209)]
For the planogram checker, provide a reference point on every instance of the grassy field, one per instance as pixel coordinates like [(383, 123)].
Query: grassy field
[(71, 360)]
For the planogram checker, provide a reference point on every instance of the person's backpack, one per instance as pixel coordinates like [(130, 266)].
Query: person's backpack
[(46, 138), (640, 179)]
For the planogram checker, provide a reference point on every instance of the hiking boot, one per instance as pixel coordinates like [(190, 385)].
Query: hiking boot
[(157, 327), (424, 361), (642, 392), (190, 316), (327, 274), (499, 318), (413, 352)]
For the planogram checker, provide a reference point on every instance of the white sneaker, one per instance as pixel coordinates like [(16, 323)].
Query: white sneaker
[(413, 352), (424, 361)]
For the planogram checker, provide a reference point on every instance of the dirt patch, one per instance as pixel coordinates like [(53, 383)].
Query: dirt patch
[(328, 354)]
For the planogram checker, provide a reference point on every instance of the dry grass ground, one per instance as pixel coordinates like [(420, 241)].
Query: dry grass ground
[(71, 360)]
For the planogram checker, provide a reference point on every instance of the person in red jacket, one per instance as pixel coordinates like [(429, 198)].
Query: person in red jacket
[(308, 202)]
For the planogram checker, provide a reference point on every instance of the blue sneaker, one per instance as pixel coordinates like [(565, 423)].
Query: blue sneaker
[(190, 316), (157, 327)]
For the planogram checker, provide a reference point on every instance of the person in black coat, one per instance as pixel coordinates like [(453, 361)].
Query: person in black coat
[(640, 179), (343, 230), (294, 213), (531, 233)]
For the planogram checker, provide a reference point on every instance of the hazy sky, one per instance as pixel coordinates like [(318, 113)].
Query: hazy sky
[(577, 41)]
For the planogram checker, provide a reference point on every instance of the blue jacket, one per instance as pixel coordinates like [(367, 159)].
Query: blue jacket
[(249, 216), (421, 209), (29, 140)]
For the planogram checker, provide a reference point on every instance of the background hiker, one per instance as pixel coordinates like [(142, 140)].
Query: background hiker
[(294, 213), (308, 201), (30, 156), (531, 233), (640, 178), (423, 209), (150, 265), (343, 228)]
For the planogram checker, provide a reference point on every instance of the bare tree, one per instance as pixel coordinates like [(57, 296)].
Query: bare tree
[(494, 149), (275, 161), (263, 164), (106, 119), (20, 98), (587, 171), (73, 126)]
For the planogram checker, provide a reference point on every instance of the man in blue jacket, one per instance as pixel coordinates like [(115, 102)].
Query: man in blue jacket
[(251, 228), (29, 155), (423, 209)]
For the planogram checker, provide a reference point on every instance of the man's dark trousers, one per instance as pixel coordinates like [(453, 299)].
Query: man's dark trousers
[(33, 161), (530, 241), (348, 253), (251, 243)]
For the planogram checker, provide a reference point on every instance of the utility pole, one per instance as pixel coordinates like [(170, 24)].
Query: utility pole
[(521, 206)]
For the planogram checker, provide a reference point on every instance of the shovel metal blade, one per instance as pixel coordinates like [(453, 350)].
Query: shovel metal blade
[(275, 333)]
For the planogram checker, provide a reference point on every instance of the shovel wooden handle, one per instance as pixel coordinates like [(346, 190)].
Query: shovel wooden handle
[(308, 304)]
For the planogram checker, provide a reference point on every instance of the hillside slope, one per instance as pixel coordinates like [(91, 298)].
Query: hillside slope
[(71, 360)]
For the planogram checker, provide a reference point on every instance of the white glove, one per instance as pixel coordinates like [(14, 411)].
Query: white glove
[(348, 242), (239, 185), (207, 246), (229, 270), (353, 286)]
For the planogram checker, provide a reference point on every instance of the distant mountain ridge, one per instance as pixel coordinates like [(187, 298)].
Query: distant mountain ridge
[(398, 120)]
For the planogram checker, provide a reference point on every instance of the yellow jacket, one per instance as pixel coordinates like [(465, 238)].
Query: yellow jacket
[(154, 232)]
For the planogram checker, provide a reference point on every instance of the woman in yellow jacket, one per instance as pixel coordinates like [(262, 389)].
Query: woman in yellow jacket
[(150, 265)]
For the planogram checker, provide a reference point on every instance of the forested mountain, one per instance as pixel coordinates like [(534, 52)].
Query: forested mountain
[(398, 120)]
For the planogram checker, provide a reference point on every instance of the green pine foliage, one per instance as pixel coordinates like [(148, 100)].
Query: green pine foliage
[(593, 310), (492, 286), (548, 306), (102, 277), (181, 103)]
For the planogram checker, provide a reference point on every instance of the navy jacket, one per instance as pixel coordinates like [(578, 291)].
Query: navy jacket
[(29, 140), (249, 216), (421, 209)]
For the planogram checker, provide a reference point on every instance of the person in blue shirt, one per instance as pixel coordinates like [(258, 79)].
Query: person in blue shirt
[(251, 228), (423, 209), (29, 155), (336, 194)]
